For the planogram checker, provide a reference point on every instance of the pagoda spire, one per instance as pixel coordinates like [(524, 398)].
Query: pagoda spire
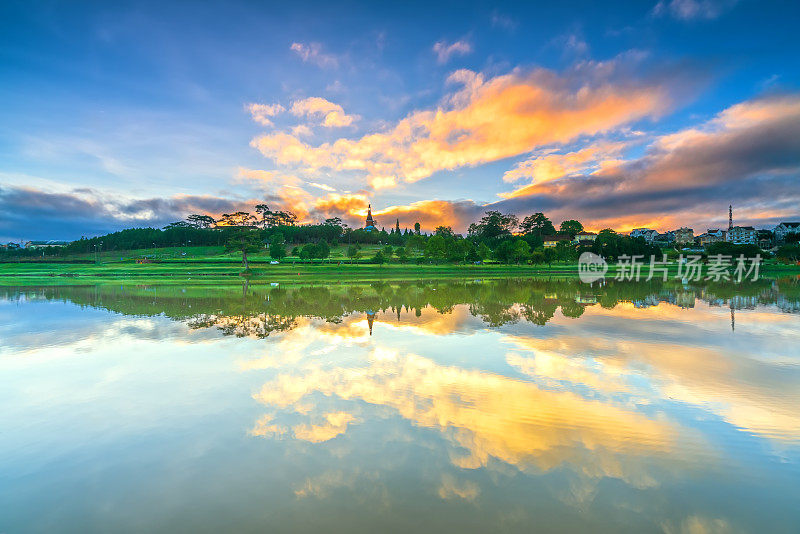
[(370, 221)]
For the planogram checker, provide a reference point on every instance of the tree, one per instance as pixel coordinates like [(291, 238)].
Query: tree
[(522, 251), (493, 224), (239, 218), (416, 228), (397, 226), (308, 252), (444, 231), (323, 250), (402, 254), (571, 227), (537, 257), (484, 251), (537, 224), (271, 219), (788, 253), (335, 221), (264, 211), (352, 252), (436, 248), (504, 252), (549, 256), (244, 241), (276, 249), (379, 258), (200, 221), (178, 224)]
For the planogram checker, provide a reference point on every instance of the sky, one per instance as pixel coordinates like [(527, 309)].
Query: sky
[(654, 114)]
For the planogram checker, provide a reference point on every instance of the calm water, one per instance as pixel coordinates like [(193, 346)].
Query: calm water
[(510, 405)]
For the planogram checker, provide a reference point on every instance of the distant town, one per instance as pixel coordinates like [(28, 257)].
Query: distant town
[(495, 238), (686, 237)]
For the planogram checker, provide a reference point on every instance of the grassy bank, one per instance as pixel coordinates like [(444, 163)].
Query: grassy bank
[(198, 271)]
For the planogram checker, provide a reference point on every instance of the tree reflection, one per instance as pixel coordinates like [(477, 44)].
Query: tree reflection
[(255, 310)]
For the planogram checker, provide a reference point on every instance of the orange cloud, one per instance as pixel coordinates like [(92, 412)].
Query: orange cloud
[(262, 112), (333, 115), (342, 204), (485, 415), (485, 120), (552, 166), (431, 213)]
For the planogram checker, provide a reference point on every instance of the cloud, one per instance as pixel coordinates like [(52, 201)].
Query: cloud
[(693, 9), (349, 206), (35, 214), (262, 112), (500, 20), (431, 213), (748, 155), (484, 120), (445, 51), (333, 116), (324, 187), (312, 53), (550, 165), (513, 421)]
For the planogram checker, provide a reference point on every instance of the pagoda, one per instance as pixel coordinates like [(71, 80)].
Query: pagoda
[(370, 222)]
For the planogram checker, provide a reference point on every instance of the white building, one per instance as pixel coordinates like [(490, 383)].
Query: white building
[(53, 243), (684, 235), (742, 235), (648, 234), (784, 229)]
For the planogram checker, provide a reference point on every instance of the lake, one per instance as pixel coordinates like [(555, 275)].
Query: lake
[(511, 405)]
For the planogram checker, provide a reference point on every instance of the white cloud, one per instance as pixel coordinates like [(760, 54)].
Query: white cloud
[(693, 9), (445, 51), (324, 187), (312, 53)]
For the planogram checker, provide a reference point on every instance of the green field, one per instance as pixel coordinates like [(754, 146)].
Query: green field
[(212, 265)]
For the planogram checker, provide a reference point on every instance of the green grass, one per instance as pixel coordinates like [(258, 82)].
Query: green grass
[(213, 253), (212, 265), (199, 272)]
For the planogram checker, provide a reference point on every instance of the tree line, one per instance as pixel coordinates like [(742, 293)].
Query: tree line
[(495, 236)]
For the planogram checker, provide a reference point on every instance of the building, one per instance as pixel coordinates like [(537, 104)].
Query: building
[(684, 236), (666, 238), (764, 239), (648, 234), (584, 238), (712, 235), (46, 244), (553, 240), (369, 224), (784, 229), (742, 235)]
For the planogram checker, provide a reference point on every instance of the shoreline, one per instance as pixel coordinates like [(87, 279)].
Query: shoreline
[(41, 273)]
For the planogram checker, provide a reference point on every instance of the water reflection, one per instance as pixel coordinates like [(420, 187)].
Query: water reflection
[(496, 404)]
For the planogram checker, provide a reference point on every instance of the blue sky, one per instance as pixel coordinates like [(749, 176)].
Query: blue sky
[(622, 115)]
